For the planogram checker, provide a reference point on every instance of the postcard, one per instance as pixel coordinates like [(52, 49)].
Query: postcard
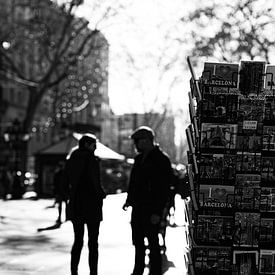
[(213, 259), (248, 180), (245, 262), (216, 196), (269, 138), (214, 229), (218, 135), (249, 143), (268, 168), (270, 77), (267, 202), (247, 197), (267, 261), (251, 109), (219, 107), (220, 74), (269, 108), (267, 230), (217, 166), (247, 227), (251, 77), (248, 162)]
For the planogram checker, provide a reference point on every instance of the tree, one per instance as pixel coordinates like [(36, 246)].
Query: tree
[(45, 41), (154, 77), (231, 30), (43, 44)]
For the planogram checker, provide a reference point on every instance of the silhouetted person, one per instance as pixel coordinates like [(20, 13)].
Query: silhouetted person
[(5, 180), (148, 194), (82, 177), (59, 190), (17, 189)]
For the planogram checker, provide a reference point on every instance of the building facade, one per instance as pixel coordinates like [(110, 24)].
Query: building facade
[(79, 102)]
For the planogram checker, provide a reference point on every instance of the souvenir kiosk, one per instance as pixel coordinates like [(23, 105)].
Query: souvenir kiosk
[(231, 163)]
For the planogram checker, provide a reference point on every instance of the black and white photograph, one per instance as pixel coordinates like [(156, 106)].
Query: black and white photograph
[(219, 167), (216, 196), (268, 168), (245, 262), (267, 231), (218, 136), (267, 261), (221, 107), (248, 180), (269, 108), (251, 77), (247, 229), (212, 259), (247, 197), (270, 77), (137, 137), (249, 143), (251, 109), (269, 138), (220, 74), (247, 191), (248, 162), (267, 203), (215, 230)]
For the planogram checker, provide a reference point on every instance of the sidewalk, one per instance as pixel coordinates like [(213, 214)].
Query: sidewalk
[(26, 251)]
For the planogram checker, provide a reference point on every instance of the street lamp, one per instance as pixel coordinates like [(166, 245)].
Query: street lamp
[(16, 138)]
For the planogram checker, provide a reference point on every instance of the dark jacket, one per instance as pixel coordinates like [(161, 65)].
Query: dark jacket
[(150, 182), (82, 180)]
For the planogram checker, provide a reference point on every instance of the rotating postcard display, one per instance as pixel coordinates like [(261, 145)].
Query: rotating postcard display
[(231, 167)]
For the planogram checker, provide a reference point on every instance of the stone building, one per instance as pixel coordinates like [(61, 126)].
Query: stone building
[(79, 102)]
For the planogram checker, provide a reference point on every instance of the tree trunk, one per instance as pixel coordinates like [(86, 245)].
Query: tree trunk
[(33, 104)]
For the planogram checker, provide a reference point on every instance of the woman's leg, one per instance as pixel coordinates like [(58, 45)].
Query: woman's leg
[(77, 246), (93, 231)]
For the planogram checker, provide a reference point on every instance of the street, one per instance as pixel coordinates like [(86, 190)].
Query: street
[(30, 244)]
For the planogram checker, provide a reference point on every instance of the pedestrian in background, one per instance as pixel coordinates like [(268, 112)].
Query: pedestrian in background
[(82, 179), (148, 195), (5, 181), (17, 186), (59, 192)]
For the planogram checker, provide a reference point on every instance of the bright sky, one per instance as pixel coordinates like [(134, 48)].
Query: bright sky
[(143, 38)]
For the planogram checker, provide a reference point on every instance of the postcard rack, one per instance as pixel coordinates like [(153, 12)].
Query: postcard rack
[(231, 168)]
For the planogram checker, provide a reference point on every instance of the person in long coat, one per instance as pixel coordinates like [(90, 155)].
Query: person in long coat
[(85, 200), (148, 196)]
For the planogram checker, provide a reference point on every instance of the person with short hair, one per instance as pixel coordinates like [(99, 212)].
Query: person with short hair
[(85, 193), (147, 195)]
